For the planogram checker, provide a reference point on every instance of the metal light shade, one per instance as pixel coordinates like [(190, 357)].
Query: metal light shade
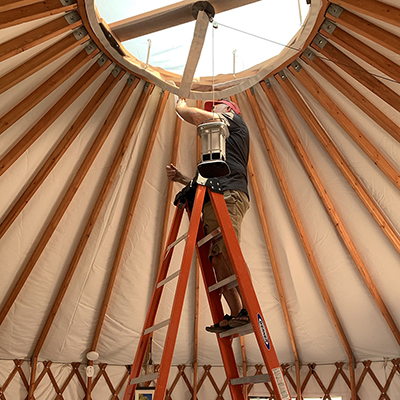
[(213, 137)]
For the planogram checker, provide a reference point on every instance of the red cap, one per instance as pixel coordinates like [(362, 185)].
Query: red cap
[(208, 105)]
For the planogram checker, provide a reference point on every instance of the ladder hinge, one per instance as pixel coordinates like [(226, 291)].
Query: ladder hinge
[(102, 59), (67, 2), (91, 47), (328, 26), (252, 90), (296, 65), (309, 54), (334, 10), (80, 33), (268, 83), (146, 86), (214, 185), (72, 17), (320, 41)]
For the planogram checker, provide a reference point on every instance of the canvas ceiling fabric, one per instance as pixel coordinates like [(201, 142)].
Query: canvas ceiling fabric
[(71, 334)]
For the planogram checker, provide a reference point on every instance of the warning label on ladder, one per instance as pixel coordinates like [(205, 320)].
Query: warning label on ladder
[(280, 381)]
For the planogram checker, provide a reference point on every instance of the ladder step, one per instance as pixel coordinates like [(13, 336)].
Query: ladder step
[(212, 235), (144, 378), (240, 330), (169, 278), (229, 282), (173, 244), (155, 327), (261, 378)]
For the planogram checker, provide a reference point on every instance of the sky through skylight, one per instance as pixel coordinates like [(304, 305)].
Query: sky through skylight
[(235, 49)]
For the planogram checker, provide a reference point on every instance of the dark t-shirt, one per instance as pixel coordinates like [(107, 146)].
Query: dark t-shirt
[(237, 153)]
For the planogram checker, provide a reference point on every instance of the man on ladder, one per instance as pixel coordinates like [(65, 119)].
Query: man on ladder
[(229, 202), (234, 187)]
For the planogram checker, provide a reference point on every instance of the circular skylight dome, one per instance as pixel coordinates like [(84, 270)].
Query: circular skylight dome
[(233, 49)]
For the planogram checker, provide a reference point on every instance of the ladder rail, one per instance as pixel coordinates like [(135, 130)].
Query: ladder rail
[(250, 299), (170, 340), (217, 313), (154, 303)]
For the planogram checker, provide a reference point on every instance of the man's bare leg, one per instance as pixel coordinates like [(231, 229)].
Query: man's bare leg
[(223, 269)]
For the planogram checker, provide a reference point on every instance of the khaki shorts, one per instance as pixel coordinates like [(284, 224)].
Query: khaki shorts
[(237, 203)]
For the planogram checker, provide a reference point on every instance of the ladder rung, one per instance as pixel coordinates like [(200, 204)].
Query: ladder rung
[(173, 244), (144, 378), (240, 330), (261, 378), (212, 235), (155, 327), (225, 282), (169, 278)]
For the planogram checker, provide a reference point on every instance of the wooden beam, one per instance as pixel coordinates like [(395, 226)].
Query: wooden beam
[(129, 216), (352, 94), (69, 195), (196, 47), (39, 35), (30, 12), (45, 89), (101, 198), (367, 29), (45, 122), (330, 208), (374, 9), (6, 5), (196, 330), (361, 50), (39, 61), (340, 117), (58, 152), (340, 162), (167, 17), (244, 365), (299, 226), (275, 268), (357, 72)]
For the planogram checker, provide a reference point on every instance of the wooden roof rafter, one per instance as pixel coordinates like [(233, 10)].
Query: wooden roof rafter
[(339, 160), (359, 49), (102, 135), (351, 93), (333, 54), (374, 9), (101, 64), (302, 234), (330, 208), (47, 87), (33, 11), (39, 35), (365, 28), (105, 89), (66, 200), (45, 57), (129, 215), (344, 121), (275, 268)]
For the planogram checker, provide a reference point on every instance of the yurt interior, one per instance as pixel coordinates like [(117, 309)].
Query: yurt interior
[(108, 281)]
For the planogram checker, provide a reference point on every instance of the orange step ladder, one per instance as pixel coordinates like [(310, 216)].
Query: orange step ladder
[(195, 239)]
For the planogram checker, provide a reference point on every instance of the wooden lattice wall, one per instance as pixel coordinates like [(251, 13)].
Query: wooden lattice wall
[(68, 381)]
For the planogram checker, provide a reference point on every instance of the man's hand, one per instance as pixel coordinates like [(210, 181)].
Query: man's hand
[(175, 175)]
